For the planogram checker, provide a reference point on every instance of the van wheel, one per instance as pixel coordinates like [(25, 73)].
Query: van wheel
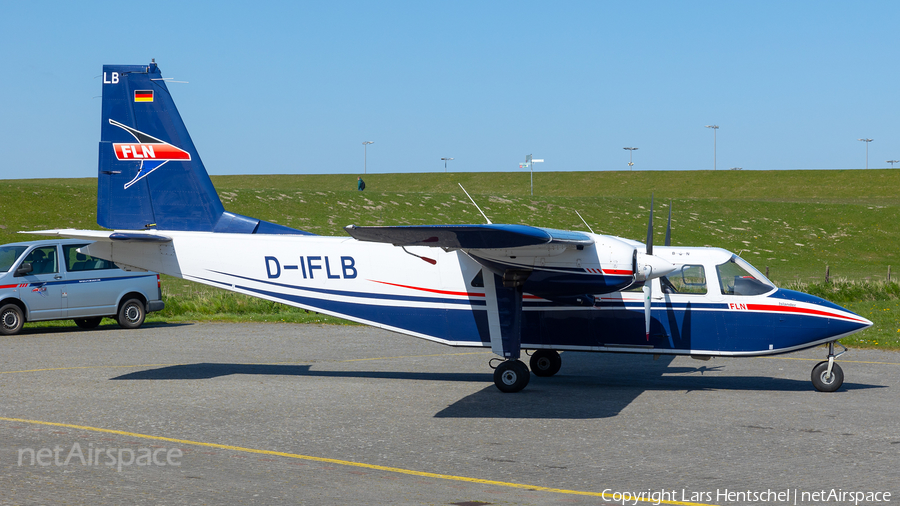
[(11, 319), (131, 314), (88, 323)]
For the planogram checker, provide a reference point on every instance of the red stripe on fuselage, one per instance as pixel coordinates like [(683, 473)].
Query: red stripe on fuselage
[(431, 290), (801, 310)]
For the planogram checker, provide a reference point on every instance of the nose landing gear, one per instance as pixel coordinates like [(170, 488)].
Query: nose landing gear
[(827, 376)]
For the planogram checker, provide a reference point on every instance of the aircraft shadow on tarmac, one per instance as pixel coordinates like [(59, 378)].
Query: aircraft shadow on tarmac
[(588, 386)]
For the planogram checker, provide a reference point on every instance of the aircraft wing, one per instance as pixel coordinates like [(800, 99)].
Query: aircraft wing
[(468, 236)]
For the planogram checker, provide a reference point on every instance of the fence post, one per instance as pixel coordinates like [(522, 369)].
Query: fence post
[(767, 271), (889, 274), (827, 273)]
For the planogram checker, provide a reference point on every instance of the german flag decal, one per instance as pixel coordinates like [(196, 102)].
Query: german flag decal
[(143, 95)]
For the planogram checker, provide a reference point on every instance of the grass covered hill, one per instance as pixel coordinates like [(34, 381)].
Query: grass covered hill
[(794, 222)]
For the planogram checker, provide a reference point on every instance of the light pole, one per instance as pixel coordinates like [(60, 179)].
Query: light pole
[(366, 155), (445, 163), (630, 154), (529, 163), (714, 127), (867, 141), (892, 162)]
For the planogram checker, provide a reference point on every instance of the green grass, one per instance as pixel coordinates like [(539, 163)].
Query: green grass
[(791, 223)]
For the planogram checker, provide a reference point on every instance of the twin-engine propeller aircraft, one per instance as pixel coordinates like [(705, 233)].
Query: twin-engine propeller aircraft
[(504, 287)]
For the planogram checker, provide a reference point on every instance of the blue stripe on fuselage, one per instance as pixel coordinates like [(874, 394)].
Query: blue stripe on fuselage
[(675, 327)]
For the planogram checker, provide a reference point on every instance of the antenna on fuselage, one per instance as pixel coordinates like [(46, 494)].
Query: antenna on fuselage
[(586, 223), (669, 226), (476, 205)]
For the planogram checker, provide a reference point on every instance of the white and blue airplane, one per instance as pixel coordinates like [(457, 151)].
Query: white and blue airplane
[(504, 287)]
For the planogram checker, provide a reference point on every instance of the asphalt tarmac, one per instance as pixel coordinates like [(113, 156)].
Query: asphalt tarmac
[(309, 414)]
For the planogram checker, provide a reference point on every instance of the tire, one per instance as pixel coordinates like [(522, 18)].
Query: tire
[(511, 376), (11, 319), (827, 385), (131, 314), (88, 323), (545, 363)]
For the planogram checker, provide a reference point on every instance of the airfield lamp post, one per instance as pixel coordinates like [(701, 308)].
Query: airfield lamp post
[(445, 163), (867, 141), (529, 161), (714, 127), (892, 162), (630, 154), (531, 168), (366, 155)]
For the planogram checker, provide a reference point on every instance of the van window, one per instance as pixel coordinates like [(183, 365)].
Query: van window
[(43, 260), (76, 261), (688, 279), (9, 255)]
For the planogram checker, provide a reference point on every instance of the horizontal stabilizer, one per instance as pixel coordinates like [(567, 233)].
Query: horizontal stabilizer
[(467, 236), (102, 235)]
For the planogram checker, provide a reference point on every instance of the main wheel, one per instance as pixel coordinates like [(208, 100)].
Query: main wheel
[(11, 319), (824, 384), (131, 314), (545, 363), (511, 376), (88, 323)]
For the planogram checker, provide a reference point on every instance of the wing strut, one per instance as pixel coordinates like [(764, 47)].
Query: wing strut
[(503, 295)]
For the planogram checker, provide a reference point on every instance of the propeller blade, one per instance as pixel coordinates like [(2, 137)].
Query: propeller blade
[(650, 229), (669, 227), (648, 292)]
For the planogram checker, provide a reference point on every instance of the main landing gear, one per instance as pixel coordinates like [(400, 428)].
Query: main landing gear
[(545, 363), (827, 376), (512, 375)]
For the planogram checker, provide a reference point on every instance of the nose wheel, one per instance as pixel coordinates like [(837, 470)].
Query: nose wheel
[(827, 376)]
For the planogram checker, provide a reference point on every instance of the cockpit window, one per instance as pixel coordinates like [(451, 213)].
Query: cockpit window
[(737, 277), (688, 279)]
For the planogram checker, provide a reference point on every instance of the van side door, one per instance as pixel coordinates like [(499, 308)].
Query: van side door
[(94, 285)]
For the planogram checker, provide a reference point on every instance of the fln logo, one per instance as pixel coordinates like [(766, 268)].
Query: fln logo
[(150, 151)]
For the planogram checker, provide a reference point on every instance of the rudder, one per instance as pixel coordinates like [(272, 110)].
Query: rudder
[(150, 175)]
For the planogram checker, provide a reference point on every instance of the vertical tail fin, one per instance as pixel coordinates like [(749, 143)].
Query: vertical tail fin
[(150, 174)]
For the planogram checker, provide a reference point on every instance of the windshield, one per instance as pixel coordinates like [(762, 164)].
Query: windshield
[(737, 277), (9, 255)]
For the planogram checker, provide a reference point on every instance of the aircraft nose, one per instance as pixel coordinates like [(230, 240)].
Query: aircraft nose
[(848, 315)]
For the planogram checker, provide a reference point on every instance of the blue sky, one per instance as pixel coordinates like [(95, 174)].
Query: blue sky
[(295, 87)]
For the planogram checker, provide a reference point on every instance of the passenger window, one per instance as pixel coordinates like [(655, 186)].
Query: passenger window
[(688, 279), (76, 261), (478, 280), (43, 260)]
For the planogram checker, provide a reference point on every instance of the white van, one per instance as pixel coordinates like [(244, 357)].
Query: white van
[(52, 280)]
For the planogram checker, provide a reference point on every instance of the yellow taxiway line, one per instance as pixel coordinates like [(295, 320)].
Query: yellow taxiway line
[(348, 463)]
